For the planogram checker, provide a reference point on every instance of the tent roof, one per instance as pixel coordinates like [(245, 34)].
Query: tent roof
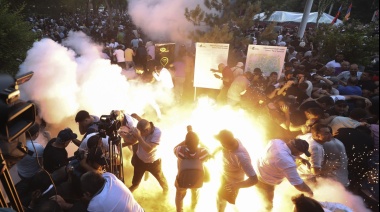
[(282, 16)]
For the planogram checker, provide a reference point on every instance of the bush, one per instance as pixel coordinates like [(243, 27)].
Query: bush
[(16, 38), (358, 42)]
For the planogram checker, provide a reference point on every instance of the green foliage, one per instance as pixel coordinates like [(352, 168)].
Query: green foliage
[(224, 19), (16, 38), (235, 17), (214, 35), (357, 41), (269, 33)]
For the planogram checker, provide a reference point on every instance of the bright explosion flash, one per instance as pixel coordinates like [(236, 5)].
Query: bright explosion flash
[(207, 120), (66, 82)]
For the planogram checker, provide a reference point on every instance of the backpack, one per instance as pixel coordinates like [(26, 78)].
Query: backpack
[(190, 173)]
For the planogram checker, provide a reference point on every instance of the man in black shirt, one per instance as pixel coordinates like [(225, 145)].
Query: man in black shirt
[(55, 154), (87, 124)]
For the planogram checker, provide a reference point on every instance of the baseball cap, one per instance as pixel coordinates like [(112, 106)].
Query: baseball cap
[(239, 64), (302, 146), (66, 135)]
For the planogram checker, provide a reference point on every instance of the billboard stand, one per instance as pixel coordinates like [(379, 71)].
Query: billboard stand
[(208, 56), (195, 94), (268, 58)]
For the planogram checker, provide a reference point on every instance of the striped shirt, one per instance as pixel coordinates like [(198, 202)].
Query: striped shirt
[(182, 152)]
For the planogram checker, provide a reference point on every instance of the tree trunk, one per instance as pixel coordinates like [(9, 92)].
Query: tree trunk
[(331, 8), (322, 6), (110, 11)]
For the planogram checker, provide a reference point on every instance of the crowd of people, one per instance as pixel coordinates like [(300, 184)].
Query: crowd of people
[(323, 117)]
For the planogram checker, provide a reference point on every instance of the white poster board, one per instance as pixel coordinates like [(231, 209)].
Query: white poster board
[(267, 58), (209, 56)]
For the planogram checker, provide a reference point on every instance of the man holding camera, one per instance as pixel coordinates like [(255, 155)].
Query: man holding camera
[(148, 138), (55, 154), (87, 124)]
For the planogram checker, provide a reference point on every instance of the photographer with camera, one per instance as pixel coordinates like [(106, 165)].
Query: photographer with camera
[(87, 124), (55, 155), (146, 158)]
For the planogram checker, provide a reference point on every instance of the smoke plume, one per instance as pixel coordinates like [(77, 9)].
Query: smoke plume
[(163, 20), (71, 77)]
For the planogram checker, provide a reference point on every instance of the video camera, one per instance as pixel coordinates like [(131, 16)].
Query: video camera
[(108, 125), (16, 116)]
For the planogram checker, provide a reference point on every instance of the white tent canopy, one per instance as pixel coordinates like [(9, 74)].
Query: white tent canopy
[(282, 16)]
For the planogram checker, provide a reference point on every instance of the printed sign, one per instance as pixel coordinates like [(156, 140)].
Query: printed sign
[(165, 54), (209, 56), (267, 58)]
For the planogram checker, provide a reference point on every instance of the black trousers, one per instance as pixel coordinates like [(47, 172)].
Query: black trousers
[(154, 168)]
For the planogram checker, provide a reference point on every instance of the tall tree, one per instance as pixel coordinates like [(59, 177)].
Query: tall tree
[(226, 21), (16, 38)]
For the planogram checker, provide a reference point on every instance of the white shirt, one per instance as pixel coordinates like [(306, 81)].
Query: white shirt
[(114, 197), (316, 150), (309, 89), (238, 86), (343, 122), (292, 55), (119, 55), (151, 51), (335, 153), (338, 97), (83, 144), (279, 38), (165, 78), (146, 157), (237, 71), (113, 45), (277, 163), (333, 206), (345, 75), (333, 64)]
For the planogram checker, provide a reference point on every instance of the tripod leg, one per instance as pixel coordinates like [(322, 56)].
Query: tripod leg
[(9, 187)]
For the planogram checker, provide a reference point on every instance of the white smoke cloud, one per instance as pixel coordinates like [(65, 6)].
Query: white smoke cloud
[(53, 85), (69, 79), (163, 19)]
